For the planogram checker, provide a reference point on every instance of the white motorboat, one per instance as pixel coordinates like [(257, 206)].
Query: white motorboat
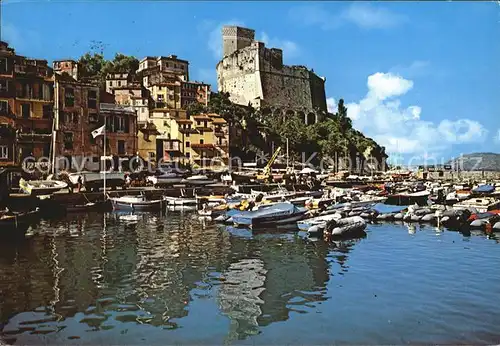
[(180, 201), (479, 205), (304, 225), (41, 187), (277, 214), (92, 180), (134, 203), (198, 180), (165, 179)]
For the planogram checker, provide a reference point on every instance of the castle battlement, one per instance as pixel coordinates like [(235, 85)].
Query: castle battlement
[(253, 74)]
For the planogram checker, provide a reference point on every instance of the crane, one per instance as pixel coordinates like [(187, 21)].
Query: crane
[(267, 169)]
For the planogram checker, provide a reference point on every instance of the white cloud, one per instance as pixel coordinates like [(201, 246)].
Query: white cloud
[(368, 16), (290, 48), (497, 137), (385, 85), (381, 115), (331, 105), (363, 15)]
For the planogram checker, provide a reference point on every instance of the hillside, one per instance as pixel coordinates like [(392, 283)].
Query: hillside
[(477, 162)]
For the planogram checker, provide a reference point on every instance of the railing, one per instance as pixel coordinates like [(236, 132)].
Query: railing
[(171, 146), (41, 71)]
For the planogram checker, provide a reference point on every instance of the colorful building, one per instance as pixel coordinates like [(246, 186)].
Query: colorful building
[(77, 114), (26, 107), (146, 142), (201, 140)]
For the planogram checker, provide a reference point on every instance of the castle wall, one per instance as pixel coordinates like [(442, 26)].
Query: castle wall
[(238, 75), (253, 74)]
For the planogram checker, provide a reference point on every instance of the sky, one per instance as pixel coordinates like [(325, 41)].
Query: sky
[(421, 78)]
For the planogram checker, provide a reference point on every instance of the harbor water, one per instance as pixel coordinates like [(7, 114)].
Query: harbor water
[(175, 279)]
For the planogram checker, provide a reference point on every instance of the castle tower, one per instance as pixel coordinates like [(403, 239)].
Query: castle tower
[(235, 38)]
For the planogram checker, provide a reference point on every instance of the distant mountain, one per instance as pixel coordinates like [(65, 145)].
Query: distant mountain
[(477, 162)]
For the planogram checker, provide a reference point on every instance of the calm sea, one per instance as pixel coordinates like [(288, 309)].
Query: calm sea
[(175, 279)]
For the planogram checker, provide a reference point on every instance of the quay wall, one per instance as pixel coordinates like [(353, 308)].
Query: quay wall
[(463, 175)]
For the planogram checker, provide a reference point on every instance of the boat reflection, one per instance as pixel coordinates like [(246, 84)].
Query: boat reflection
[(98, 270)]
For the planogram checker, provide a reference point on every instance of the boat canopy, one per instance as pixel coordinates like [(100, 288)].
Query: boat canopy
[(484, 189)]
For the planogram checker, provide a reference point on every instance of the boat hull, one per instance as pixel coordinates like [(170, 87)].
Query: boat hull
[(137, 206), (17, 225)]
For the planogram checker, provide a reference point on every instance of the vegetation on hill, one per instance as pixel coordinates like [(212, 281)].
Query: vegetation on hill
[(255, 132), (95, 66), (477, 162)]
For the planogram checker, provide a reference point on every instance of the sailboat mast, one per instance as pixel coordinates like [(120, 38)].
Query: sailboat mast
[(55, 125), (104, 146)]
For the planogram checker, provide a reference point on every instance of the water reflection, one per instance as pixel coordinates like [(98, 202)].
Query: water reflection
[(118, 272)]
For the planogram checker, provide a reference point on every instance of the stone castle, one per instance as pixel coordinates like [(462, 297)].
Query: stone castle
[(254, 74)]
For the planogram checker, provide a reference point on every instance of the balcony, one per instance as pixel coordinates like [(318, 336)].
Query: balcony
[(36, 136), (32, 70), (204, 146), (173, 145)]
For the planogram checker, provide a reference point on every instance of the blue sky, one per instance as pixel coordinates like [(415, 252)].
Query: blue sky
[(421, 78)]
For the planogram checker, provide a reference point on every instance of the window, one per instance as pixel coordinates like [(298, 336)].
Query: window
[(93, 118), (201, 140), (68, 140), (187, 134), (4, 85), (119, 83), (4, 152), (69, 97), (188, 155), (46, 92), (121, 147), (120, 124), (152, 155), (198, 122), (4, 107), (92, 99), (3, 65), (25, 110), (47, 111), (159, 87), (188, 144), (182, 67)]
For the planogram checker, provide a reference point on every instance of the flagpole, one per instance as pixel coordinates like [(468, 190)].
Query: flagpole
[(105, 168)]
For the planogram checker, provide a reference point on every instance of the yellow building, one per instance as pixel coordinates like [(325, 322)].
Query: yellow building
[(146, 142), (201, 139)]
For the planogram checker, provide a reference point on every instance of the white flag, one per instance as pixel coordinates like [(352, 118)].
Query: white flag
[(99, 131)]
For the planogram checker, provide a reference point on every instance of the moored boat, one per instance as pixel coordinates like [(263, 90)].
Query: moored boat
[(169, 178), (198, 180), (13, 224), (95, 180), (274, 215), (41, 187), (479, 205), (134, 203)]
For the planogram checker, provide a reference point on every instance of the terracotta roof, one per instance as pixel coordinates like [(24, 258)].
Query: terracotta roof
[(219, 121), (184, 121), (201, 117)]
